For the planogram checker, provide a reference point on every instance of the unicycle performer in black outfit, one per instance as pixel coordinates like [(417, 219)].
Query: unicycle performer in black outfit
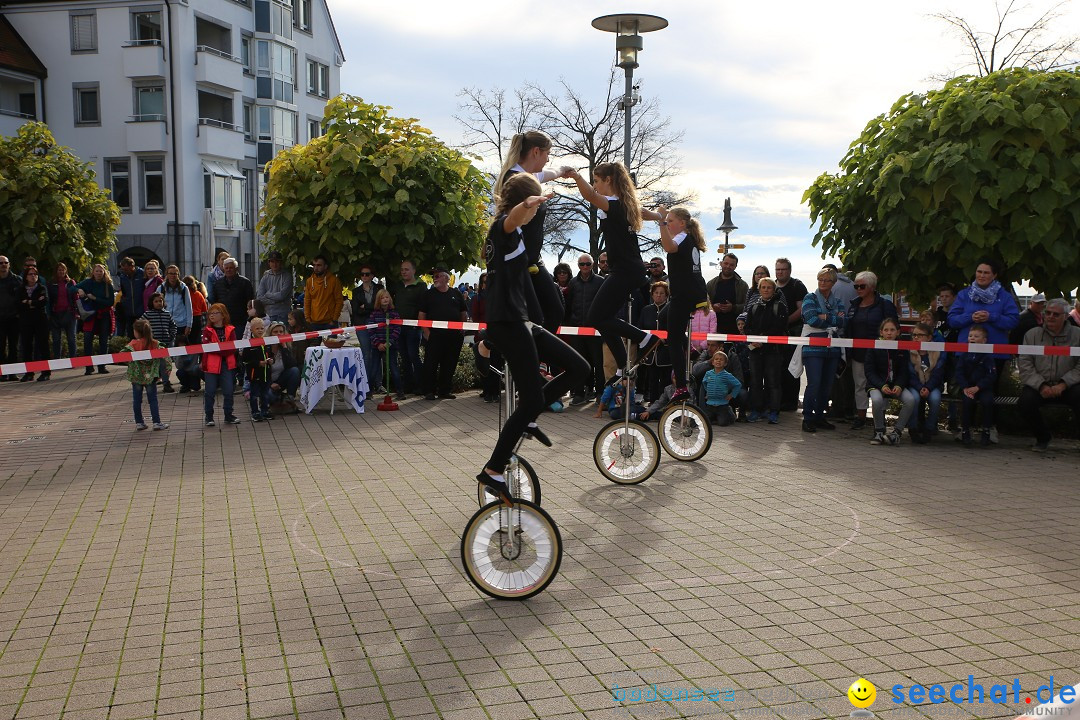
[(511, 330), (681, 236)]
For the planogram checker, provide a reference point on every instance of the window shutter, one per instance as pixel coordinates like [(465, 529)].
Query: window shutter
[(82, 32)]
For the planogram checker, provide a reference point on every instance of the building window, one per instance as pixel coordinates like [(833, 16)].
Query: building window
[(245, 53), (281, 18), (225, 195), (276, 69), (84, 32), (277, 131), (118, 178), (150, 103), (302, 14), (318, 79), (249, 122), (146, 28), (314, 128), (87, 104), (152, 171)]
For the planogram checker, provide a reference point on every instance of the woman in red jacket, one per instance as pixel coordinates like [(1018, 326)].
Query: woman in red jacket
[(218, 367)]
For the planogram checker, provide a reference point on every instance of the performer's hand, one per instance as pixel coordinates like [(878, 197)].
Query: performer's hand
[(535, 200)]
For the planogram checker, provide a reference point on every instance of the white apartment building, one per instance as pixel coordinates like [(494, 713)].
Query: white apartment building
[(178, 105)]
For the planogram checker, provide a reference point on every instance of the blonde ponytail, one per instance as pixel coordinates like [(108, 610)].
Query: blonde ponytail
[(520, 145)]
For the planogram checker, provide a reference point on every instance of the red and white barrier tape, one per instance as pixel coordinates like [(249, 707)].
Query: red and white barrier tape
[(88, 360)]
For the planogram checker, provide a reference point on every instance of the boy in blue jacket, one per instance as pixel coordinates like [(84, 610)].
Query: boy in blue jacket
[(976, 374)]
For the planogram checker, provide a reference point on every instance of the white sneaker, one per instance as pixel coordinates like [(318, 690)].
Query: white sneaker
[(140, 426), (993, 435), (160, 426), (893, 437)]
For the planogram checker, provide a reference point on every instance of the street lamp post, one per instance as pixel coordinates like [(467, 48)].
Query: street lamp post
[(628, 29), (728, 226)]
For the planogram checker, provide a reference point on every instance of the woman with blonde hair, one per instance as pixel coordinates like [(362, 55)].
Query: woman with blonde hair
[(613, 195), (98, 289), (682, 239)]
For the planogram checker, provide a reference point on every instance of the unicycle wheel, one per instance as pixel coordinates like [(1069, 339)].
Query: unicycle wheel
[(626, 455), (685, 432), (523, 480), (511, 553)]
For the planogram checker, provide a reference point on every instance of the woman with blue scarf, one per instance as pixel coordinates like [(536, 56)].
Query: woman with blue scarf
[(823, 316), (989, 304)]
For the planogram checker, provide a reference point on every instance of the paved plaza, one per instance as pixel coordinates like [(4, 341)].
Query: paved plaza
[(309, 568)]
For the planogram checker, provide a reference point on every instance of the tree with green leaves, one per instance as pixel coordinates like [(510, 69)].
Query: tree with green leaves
[(50, 205), (984, 167), (378, 189)]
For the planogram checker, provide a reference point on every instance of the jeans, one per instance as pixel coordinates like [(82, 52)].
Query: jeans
[(983, 399), (722, 415), (858, 374), (378, 360), (820, 373), (63, 326), (411, 366), (102, 334), (211, 381), (765, 389), (879, 402), (259, 397), (932, 405), (151, 397), (441, 360), (288, 381), (163, 370), (1031, 401)]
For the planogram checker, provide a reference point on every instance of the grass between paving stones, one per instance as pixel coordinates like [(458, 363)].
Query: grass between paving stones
[(236, 585), (168, 597)]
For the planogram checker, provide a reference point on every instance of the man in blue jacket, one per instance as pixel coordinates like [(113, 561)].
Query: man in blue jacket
[(129, 281)]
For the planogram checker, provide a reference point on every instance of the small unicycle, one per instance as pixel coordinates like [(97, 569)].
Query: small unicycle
[(685, 430), (523, 481), (511, 552), (626, 451)]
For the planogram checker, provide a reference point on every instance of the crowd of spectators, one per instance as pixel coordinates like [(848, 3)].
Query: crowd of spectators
[(736, 381)]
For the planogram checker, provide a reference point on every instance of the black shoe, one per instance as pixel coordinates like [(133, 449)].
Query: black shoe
[(27, 377), (102, 370), (500, 489), (168, 388), (858, 423), (232, 420), (399, 396), (537, 433), (808, 426), (44, 376), (430, 396), (985, 439), (824, 425), (591, 395), (448, 396), (577, 400), (89, 371), (965, 438)]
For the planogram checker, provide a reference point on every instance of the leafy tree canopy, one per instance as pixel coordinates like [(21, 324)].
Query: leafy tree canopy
[(377, 189), (50, 205), (984, 167)]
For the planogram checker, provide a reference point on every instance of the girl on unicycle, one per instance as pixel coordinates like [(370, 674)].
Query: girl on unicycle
[(681, 236)]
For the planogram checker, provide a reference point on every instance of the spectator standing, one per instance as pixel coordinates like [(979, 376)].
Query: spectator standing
[(489, 379), (323, 296), (441, 302), (363, 304), (946, 297), (233, 290), (198, 307), (10, 284), (727, 293), (178, 303), (219, 368), (1050, 378), (276, 288), (34, 322), (164, 331), (793, 291), (407, 295), (257, 362), (760, 271), (1032, 317), (130, 283), (216, 273), (842, 405), (655, 373), (562, 275), (993, 306), (152, 281), (62, 315), (601, 265), (1074, 314), (579, 297), (143, 375), (384, 343), (824, 317), (98, 289), (865, 314), (767, 316)]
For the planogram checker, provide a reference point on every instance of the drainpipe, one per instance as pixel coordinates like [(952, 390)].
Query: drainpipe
[(177, 245)]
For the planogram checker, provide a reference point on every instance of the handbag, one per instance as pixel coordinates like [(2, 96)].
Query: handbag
[(85, 308)]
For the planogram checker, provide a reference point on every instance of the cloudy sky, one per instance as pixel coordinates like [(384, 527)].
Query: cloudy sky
[(769, 94)]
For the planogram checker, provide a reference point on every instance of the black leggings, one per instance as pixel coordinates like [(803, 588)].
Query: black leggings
[(674, 318), (550, 298), (520, 346), (604, 312)]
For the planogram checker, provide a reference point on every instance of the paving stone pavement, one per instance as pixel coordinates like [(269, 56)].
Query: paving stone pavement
[(308, 568)]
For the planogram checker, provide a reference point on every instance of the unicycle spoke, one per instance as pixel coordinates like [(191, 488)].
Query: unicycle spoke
[(534, 556), (685, 432), (626, 454)]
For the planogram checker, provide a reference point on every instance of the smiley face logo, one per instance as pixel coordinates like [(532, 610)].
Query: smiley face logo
[(862, 693)]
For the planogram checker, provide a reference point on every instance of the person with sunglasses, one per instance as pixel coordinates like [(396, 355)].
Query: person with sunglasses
[(363, 304), (579, 298), (1049, 379), (865, 314)]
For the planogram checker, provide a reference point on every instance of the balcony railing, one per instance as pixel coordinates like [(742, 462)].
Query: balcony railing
[(214, 122), (214, 51), (16, 113)]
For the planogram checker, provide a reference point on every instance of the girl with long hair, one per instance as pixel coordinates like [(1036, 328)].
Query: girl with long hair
[(144, 374), (682, 239), (218, 367), (99, 290), (613, 195)]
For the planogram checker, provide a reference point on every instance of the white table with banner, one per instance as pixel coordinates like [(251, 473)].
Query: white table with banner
[(325, 368)]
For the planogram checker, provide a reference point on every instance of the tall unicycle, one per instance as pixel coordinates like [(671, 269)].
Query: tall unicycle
[(511, 552), (523, 481), (626, 451), (685, 430)]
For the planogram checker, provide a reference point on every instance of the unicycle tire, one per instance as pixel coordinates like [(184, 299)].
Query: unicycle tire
[(523, 480), (511, 564), (685, 432), (626, 458)]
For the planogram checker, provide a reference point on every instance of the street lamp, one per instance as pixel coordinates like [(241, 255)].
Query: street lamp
[(628, 29), (728, 226)]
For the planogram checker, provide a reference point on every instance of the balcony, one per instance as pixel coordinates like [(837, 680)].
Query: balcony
[(220, 139), (218, 69), (147, 133), (144, 58), (11, 121)]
